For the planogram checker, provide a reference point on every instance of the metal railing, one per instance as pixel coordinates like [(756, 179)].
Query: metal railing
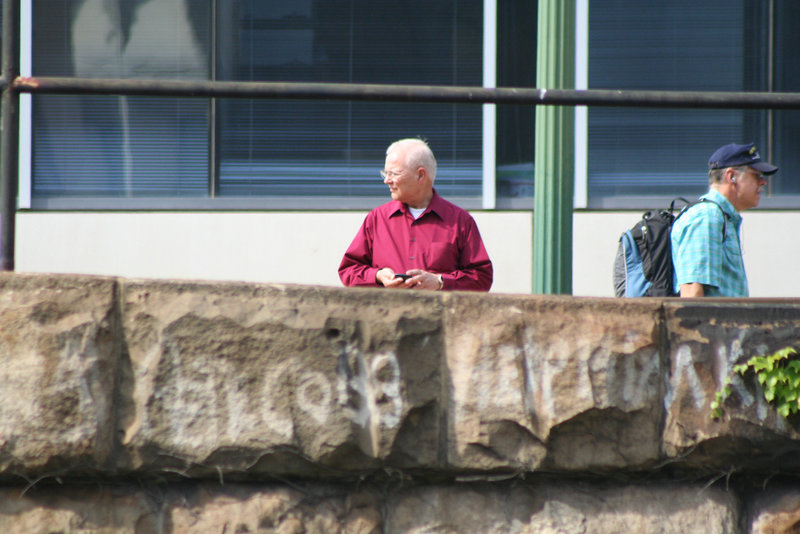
[(407, 93), (12, 85)]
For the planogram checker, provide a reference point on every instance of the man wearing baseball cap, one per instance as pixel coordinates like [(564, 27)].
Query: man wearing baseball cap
[(706, 247)]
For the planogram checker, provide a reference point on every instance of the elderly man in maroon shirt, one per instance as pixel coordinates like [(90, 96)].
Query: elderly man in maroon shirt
[(418, 240)]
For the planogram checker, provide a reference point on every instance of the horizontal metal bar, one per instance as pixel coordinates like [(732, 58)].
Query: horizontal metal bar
[(409, 93)]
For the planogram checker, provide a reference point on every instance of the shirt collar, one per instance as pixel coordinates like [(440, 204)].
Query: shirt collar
[(436, 205), (726, 205)]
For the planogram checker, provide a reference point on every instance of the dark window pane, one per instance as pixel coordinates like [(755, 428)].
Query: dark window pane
[(336, 148), (787, 79), (670, 45), (121, 146), (516, 67)]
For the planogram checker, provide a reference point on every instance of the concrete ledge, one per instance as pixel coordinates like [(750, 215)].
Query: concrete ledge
[(112, 378)]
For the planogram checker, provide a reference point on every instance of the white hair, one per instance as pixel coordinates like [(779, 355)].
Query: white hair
[(418, 154)]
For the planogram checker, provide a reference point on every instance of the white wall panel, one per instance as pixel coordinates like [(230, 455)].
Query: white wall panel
[(306, 247)]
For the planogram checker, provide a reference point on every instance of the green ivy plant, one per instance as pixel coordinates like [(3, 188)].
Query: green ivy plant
[(779, 376)]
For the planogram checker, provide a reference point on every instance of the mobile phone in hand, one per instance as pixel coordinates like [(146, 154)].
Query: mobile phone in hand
[(403, 276)]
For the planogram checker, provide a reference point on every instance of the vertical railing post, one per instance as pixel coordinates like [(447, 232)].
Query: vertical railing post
[(554, 152), (9, 132)]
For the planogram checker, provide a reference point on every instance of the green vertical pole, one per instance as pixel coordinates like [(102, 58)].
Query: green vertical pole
[(554, 152)]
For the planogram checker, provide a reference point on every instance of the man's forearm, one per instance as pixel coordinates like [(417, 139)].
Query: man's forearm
[(352, 273), (472, 279), (693, 289)]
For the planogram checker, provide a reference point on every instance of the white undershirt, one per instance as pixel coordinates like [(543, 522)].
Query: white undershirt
[(416, 212)]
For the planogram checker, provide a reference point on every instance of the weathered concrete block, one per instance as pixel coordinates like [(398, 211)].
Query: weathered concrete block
[(775, 511), (59, 349), (312, 509), (537, 507), (706, 339), (78, 510), (238, 378), (189, 509), (553, 382), (564, 507)]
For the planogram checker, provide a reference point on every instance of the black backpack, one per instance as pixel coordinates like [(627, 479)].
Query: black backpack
[(643, 264)]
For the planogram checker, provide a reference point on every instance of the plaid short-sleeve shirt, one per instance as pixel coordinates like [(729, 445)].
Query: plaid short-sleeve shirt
[(701, 254)]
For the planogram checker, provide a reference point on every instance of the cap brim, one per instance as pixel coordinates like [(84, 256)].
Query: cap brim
[(764, 167)]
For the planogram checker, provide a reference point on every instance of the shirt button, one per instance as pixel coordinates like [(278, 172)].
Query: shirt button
[(413, 239), (411, 258)]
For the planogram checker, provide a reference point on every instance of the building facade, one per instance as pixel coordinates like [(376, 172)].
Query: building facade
[(273, 190)]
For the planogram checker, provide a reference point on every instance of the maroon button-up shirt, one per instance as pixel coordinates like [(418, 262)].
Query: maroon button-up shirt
[(443, 240)]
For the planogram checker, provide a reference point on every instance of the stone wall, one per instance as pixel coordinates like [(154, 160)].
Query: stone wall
[(163, 406)]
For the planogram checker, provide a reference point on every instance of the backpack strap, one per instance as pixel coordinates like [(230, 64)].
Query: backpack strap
[(686, 204)]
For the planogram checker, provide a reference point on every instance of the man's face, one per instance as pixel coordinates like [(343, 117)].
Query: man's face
[(749, 185), (403, 182)]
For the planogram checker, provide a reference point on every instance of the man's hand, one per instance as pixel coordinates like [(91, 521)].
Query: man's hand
[(423, 280), (386, 277), (419, 279)]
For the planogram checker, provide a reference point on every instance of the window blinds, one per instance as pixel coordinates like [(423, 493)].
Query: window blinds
[(665, 45), (337, 148), (120, 146)]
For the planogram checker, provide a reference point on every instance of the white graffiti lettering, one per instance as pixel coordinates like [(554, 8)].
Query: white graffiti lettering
[(199, 400), (685, 371), (313, 396), (388, 389)]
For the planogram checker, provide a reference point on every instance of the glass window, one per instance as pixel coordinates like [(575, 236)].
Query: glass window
[(120, 146), (786, 124), (671, 45), (323, 148), (516, 67), (145, 147)]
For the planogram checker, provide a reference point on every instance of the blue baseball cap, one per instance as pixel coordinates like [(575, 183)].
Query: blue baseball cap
[(734, 155)]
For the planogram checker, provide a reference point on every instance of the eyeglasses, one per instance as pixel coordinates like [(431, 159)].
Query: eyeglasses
[(390, 174), (757, 174)]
